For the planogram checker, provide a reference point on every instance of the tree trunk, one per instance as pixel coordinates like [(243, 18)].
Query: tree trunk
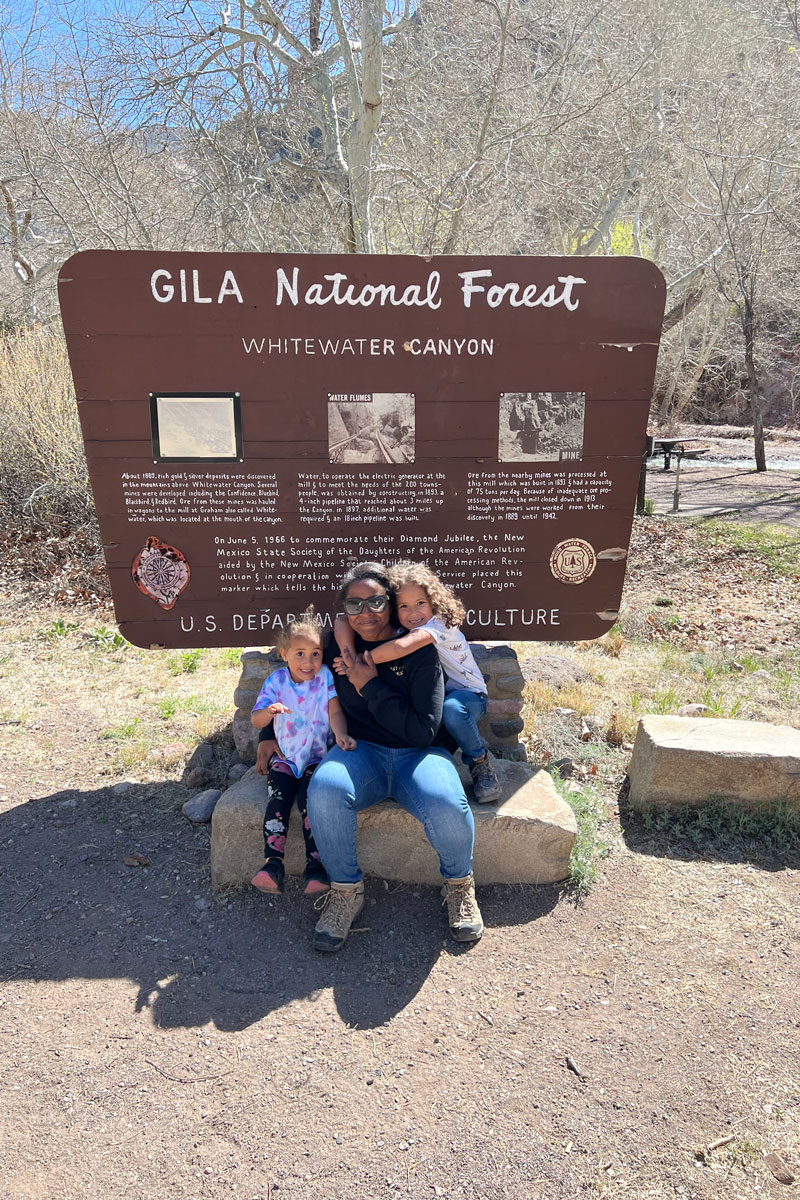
[(366, 125), (755, 393)]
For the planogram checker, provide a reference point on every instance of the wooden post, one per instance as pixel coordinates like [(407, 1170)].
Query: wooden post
[(676, 495), (640, 495)]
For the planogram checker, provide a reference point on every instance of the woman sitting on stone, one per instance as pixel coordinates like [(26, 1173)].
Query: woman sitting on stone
[(394, 712)]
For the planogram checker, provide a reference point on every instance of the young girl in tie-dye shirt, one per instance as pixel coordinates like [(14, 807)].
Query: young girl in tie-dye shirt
[(300, 699)]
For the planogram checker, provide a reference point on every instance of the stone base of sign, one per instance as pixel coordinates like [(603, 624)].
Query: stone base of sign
[(500, 728), (527, 837), (683, 760)]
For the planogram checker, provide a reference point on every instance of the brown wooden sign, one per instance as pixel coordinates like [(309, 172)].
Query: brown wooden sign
[(254, 423)]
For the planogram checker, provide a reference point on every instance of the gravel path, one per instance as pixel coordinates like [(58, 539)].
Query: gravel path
[(771, 496)]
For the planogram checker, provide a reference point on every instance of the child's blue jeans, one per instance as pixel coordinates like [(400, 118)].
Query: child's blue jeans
[(460, 715)]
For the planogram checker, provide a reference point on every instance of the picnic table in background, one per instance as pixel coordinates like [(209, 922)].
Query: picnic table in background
[(677, 446)]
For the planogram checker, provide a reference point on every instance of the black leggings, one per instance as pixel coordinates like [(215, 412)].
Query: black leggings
[(283, 790)]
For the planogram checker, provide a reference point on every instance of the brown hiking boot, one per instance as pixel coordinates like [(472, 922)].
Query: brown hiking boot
[(484, 780), (340, 907), (463, 914)]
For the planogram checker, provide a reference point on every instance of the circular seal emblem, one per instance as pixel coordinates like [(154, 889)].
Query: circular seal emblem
[(573, 561), (161, 572)]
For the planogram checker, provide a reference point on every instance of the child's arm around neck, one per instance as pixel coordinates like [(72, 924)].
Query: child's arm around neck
[(402, 646), (342, 631), (388, 651)]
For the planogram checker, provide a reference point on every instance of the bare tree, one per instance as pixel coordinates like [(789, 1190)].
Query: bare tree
[(497, 126), (307, 86), (73, 173), (743, 167)]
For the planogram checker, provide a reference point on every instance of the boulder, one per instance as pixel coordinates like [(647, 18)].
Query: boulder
[(201, 806), (689, 760), (526, 837), (198, 777), (203, 755), (245, 737)]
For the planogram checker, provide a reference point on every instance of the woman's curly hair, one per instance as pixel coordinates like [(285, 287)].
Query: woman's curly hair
[(444, 602), (305, 625)]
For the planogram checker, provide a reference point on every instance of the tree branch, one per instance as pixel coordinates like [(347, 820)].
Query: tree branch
[(263, 9), (602, 227), (246, 36), (347, 57)]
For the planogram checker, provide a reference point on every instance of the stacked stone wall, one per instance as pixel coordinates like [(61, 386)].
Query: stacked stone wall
[(503, 723), (500, 728)]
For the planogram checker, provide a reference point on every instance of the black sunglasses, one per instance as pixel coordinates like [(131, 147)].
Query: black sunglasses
[(354, 605)]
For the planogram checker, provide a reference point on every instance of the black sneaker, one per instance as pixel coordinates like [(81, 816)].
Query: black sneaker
[(484, 780), (270, 878), (315, 878)]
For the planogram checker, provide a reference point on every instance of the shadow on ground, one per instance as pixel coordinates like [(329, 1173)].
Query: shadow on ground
[(72, 907), (713, 833)]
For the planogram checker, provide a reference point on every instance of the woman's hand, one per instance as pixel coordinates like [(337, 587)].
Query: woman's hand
[(345, 742), (359, 671)]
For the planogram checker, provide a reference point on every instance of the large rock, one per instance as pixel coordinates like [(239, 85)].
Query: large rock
[(680, 760), (527, 837), (201, 807), (501, 726)]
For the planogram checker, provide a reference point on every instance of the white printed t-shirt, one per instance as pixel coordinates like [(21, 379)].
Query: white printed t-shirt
[(303, 733), (456, 657)]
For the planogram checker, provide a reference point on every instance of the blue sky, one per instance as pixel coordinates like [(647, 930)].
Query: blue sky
[(22, 10), (52, 12), (52, 29)]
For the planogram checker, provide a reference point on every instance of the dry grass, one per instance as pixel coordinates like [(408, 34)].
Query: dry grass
[(132, 713), (42, 464), (709, 616), (655, 677)]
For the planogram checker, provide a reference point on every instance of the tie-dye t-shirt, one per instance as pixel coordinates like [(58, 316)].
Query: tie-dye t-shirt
[(303, 733)]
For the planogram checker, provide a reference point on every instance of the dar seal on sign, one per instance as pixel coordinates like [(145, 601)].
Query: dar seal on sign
[(161, 572), (573, 561)]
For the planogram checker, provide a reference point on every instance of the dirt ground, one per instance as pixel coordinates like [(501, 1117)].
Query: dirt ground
[(161, 1041), (709, 491)]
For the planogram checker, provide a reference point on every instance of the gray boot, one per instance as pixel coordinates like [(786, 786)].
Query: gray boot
[(463, 914), (340, 907)]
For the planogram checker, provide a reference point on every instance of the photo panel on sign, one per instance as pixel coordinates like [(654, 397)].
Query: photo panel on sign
[(371, 427), (196, 426), (541, 426)]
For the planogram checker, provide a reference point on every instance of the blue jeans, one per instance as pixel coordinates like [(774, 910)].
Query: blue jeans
[(423, 782), (460, 715)]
